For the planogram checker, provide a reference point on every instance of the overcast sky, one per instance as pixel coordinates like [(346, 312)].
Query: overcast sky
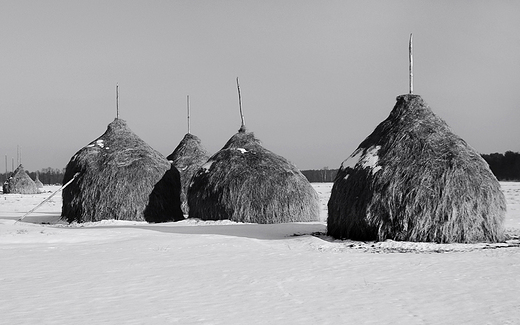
[(316, 76)]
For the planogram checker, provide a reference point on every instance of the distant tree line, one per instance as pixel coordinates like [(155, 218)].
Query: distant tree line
[(324, 175), (48, 176), (506, 167)]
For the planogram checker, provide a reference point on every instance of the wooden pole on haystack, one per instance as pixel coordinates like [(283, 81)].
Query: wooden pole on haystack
[(188, 109), (243, 126), (117, 100), (410, 57)]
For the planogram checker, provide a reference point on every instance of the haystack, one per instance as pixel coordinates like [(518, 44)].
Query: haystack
[(245, 182), (412, 179), (19, 183), (119, 176), (38, 183), (188, 157)]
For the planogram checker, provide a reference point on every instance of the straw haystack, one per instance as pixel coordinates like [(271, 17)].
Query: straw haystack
[(38, 183), (119, 176), (412, 179), (245, 182), (19, 183), (188, 157)]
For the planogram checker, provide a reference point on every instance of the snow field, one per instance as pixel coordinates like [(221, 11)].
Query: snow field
[(195, 272)]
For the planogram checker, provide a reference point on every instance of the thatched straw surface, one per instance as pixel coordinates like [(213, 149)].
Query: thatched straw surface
[(412, 179), (119, 176), (245, 182), (19, 183), (188, 157)]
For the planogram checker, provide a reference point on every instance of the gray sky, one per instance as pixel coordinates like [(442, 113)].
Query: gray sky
[(316, 76)]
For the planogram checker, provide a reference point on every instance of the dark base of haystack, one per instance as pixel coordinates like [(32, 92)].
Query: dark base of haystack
[(164, 203), (416, 181)]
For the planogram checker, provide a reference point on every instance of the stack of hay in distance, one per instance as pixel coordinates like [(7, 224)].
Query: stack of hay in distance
[(119, 176), (38, 183), (188, 157), (245, 182), (412, 179), (20, 183)]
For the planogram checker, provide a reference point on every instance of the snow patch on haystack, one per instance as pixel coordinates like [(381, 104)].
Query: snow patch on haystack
[(364, 158), (98, 143)]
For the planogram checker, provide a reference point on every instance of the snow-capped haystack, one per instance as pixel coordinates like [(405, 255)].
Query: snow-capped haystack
[(188, 157), (119, 176), (245, 182), (412, 179), (19, 183)]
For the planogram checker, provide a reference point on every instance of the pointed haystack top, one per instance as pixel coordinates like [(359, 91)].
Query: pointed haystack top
[(413, 179)]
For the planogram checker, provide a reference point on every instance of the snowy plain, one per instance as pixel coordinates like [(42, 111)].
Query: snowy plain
[(195, 272)]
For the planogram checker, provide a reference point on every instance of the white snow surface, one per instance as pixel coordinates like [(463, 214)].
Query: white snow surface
[(196, 272)]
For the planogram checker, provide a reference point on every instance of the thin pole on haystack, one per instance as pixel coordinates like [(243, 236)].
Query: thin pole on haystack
[(5, 165), (117, 100), (243, 126), (410, 57), (188, 109), (47, 199)]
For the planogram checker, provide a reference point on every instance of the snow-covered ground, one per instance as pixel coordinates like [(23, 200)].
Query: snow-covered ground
[(194, 272)]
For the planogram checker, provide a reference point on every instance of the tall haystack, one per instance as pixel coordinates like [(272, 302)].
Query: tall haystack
[(188, 157), (19, 183), (119, 176), (245, 182), (412, 179)]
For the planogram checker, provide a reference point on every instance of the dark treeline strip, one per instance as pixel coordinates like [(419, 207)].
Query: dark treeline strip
[(506, 167), (48, 176)]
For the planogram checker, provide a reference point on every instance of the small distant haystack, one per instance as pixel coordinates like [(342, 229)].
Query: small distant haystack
[(19, 183), (188, 157), (412, 179), (38, 183), (119, 176), (245, 182)]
